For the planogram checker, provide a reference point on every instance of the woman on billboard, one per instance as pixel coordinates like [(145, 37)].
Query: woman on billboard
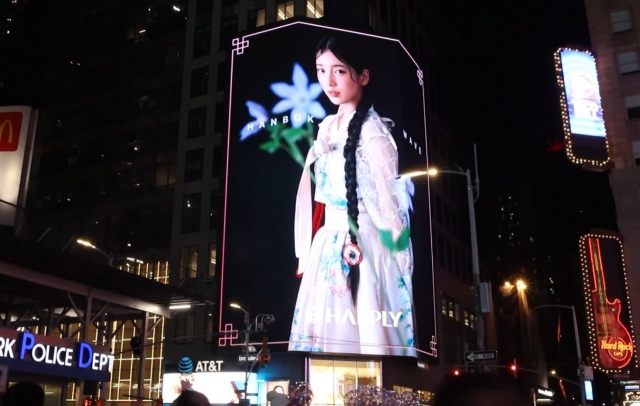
[(356, 294)]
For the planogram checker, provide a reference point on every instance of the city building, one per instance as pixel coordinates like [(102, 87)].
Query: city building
[(200, 175), (614, 38)]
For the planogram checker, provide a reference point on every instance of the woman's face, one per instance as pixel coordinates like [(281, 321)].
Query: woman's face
[(340, 83)]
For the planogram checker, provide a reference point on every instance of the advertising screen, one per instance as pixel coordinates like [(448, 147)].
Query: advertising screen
[(218, 387), (603, 271), (320, 230), (581, 106)]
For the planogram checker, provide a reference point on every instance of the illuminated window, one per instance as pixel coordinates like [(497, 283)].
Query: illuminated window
[(444, 306), (188, 262), (197, 120), (450, 305), (315, 8), (466, 318), (191, 205), (257, 13), (213, 260), (633, 106), (331, 380), (628, 62), (284, 10), (636, 151), (621, 21)]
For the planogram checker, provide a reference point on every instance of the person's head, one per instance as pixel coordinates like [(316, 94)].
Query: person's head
[(24, 394), (191, 398), (279, 389), (341, 72), (476, 389), (344, 72)]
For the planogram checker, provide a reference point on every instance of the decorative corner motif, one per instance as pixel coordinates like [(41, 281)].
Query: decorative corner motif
[(239, 45), (420, 75), (230, 335)]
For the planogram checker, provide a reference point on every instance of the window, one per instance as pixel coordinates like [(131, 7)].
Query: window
[(184, 326), (197, 121), (228, 30), (191, 212), (208, 324), (444, 306), (621, 21), (213, 259), (218, 160), (202, 40), (215, 209), (347, 375), (257, 18), (194, 165), (315, 8), (219, 123), (204, 6), (636, 151), (188, 262), (628, 62), (633, 106), (199, 81), (284, 10)]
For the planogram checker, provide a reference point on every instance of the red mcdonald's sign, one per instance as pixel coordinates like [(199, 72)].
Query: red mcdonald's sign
[(10, 126)]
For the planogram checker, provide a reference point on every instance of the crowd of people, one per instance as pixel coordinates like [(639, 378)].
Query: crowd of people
[(465, 390)]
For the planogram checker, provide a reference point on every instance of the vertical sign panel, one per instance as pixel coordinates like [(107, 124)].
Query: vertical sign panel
[(290, 116), (582, 114), (605, 287)]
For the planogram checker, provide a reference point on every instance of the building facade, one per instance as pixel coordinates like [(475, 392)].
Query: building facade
[(201, 166), (614, 36)]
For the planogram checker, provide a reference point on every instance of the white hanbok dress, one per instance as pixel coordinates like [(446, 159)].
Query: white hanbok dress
[(325, 317)]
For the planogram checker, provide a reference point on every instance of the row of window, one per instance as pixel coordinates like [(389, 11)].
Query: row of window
[(194, 163), (453, 259), (451, 309), (192, 207), (184, 323), (189, 262)]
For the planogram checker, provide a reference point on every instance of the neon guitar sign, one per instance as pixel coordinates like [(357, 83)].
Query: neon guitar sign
[(614, 342)]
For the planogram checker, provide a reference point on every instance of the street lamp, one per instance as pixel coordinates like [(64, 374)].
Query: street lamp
[(578, 350), (474, 237), (259, 321), (521, 285), (87, 244)]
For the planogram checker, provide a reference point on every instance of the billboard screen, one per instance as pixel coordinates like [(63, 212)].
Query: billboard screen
[(608, 310), (582, 113), (353, 274)]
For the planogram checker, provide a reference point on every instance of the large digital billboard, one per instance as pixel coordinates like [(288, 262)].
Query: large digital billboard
[(610, 325), (583, 118), (319, 228)]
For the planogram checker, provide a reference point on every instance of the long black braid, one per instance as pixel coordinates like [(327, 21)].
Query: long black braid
[(351, 183)]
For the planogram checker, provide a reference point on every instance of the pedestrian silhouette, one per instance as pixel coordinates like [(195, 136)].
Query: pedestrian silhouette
[(191, 398), (24, 394)]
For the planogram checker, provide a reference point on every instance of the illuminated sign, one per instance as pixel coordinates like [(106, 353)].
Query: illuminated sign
[(588, 390), (604, 279), (583, 118), (218, 387), (10, 128), (285, 122), (17, 128), (25, 346)]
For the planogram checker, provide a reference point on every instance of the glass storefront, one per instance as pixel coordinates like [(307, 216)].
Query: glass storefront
[(330, 380)]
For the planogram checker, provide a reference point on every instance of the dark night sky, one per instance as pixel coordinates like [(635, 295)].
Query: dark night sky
[(511, 110)]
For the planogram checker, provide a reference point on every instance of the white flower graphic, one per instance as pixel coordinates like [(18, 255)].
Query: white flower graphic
[(300, 97), (260, 114)]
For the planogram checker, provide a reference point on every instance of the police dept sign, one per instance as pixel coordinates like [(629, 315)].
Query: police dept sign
[(26, 346)]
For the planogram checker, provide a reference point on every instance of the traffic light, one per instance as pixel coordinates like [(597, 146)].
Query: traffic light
[(514, 369), (265, 355)]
